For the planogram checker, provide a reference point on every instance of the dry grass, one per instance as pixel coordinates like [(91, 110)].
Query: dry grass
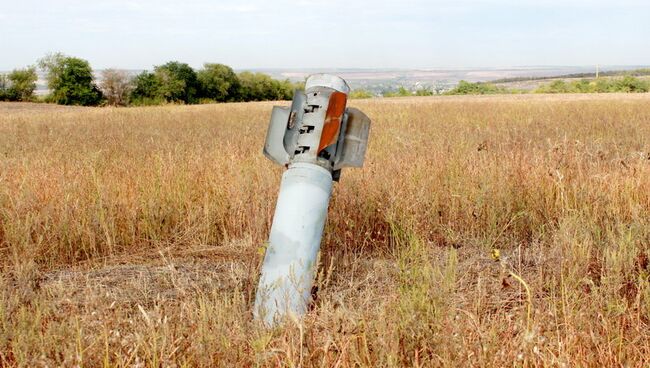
[(499, 231)]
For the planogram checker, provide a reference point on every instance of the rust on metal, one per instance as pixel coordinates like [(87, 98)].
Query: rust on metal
[(333, 117)]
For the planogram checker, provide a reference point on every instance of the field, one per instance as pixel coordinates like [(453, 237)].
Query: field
[(483, 231)]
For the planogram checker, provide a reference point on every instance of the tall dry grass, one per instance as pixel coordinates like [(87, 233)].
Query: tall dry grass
[(483, 231)]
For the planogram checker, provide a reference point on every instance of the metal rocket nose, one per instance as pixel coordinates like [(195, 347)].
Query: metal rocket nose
[(327, 80), (318, 128)]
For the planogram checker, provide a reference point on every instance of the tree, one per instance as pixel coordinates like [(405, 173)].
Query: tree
[(22, 83), (581, 86), (52, 64), (71, 80), (478, 88), (178, 82), (116, 87), (401, 92), (146, 89), (558, 86), (260, 87), (218, 82), (4, 83), (603, 85), (631, 84), (361, 93)]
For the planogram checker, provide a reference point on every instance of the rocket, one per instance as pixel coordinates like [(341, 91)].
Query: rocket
[(314, 138)]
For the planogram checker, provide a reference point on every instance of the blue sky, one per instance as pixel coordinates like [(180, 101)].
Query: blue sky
[(328, 33)]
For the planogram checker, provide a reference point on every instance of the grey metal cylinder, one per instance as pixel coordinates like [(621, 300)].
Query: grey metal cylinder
[(291, 256)]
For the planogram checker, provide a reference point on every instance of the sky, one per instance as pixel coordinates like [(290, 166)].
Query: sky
[(253, 34)]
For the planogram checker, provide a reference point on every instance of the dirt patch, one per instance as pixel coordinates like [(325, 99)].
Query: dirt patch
[(143, 284)]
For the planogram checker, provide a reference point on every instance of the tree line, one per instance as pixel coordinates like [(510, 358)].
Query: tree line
[(607, 73), (627, 84), (71, 82)]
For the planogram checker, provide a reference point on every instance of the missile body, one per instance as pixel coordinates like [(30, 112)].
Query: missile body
[(314, 138), (290, 259)]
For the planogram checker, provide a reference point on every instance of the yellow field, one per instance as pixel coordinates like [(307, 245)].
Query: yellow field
[(482, 231)]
